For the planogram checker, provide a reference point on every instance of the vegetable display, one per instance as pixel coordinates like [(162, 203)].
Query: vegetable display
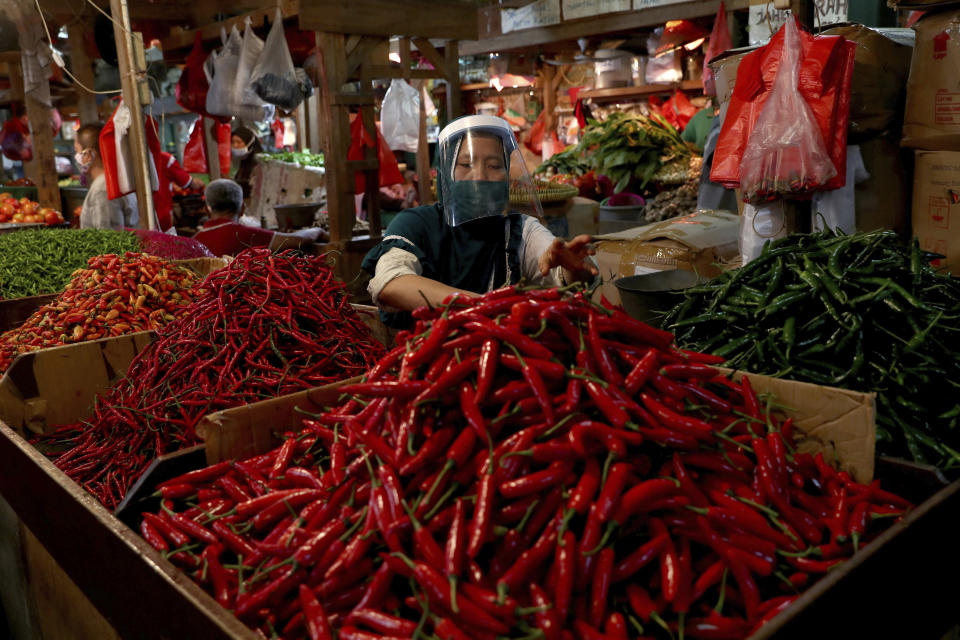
[(863, 311), (528, 465), (628, 148), (296, 157), (115, 295), (35, 262), (27, 211), (265, 325)]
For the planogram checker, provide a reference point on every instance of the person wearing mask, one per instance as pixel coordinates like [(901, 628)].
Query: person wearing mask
[(224, 235), (98, 212), (483, 234), (244, 147)]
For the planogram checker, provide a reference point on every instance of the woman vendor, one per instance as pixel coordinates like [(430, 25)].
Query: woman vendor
[(483, 234)]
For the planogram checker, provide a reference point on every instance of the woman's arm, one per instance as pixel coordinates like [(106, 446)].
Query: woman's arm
[(408, 292)]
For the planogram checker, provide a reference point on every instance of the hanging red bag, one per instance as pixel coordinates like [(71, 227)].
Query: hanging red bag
[(719, 42), (360, 139), (191, 89), (534, 140), (15, 140), (117, 154), (194, 157), (277, 127), (822, 83)]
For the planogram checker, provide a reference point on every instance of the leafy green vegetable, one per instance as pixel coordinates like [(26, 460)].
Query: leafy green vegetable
[(296, 157)]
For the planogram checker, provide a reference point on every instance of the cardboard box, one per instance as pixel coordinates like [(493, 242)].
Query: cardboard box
[(695, 242), (58, 386), (932, 118), (15, 311), (724, 68), (936, 205)]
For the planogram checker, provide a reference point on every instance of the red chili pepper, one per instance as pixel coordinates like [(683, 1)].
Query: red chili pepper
[(482, 512), (536, 482), (641, 372), (673, 420), (486, 369), (639, 497), (616, 627), (545, 618), (586, 488), (600, 588), (639, 558), (548, 369), (605, 402), (530, 559), (438, 590), (381, 622), (607, 368)]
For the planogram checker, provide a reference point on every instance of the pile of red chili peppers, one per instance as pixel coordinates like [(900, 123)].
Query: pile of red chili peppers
[(264, 326), (114, 296), (529, 466)]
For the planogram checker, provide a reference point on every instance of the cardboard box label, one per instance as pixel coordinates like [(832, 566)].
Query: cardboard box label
[(946, 109), (936, 205)]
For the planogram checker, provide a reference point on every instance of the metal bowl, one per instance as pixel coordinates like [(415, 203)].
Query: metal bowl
[(648, 296), (296, 216)]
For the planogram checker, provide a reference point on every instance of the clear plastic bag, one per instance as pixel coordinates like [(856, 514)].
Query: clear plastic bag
[(274, 79), (221, 70), (400, 116), (785, 155), (247, 103)]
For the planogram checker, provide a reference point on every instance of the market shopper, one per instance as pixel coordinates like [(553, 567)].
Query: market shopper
[(224, 235), (98, 211), (483, 233), (244, 146)]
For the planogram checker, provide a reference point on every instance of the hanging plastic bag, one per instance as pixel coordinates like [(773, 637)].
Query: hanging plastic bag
[(400, 116), (719, 42), (678, 110), (222, 67), (192, 87), (277, 127), (785, 155), (274, 79), (360, 139), (117, 154), (15, 140), (248, 104), (194, 155)]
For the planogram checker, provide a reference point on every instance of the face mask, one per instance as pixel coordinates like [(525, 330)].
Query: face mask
[(240, 153), (473, 199), (83, 166)]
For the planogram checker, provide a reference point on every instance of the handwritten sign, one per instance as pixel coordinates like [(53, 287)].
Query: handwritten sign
[(765, 20), (573, 9), (647, 4), (539, 14)]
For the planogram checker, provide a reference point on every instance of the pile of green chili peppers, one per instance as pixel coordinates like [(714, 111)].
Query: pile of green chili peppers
[(35, 262), (864, 311)]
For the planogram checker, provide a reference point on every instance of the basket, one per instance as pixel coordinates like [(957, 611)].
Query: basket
[(546, 192)]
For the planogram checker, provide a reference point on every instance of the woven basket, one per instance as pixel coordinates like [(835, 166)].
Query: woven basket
[(546, 192)]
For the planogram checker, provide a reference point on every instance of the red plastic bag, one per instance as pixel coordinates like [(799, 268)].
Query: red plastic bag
[(191, 90), (719, 42), (194, 154), (534, 140), (15, 140), (194, 157), (359, 139), (277, 127), (678, 110), (823, 82)]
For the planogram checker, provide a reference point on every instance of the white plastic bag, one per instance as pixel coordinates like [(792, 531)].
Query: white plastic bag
[(785, 155), (758, 225), (221, 72), (400, 117), (274, 79), (247, 104)]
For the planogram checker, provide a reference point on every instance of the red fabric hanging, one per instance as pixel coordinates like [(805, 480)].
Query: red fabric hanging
[(359, 139)]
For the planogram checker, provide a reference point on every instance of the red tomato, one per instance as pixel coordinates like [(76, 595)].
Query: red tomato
[(51, 218)]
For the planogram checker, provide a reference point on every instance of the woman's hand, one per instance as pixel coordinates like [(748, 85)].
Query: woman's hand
[(572, 256)]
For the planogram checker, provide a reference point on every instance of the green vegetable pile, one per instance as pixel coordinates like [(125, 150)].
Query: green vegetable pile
[(296, 157), (35, 262), (864, 311), (627, 148), (567, 162)]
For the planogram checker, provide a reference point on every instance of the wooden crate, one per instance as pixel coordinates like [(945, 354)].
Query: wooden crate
[(15, 311), (57, 386)]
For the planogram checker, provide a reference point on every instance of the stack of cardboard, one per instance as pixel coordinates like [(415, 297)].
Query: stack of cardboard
[(932, 127)]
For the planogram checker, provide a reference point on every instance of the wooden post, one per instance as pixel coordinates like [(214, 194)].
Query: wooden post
[(303, 144), (423, 150), (335, 124), (371, 176), (547, 75), (82, 68), (315, 140), (454, 99), (129, 84)]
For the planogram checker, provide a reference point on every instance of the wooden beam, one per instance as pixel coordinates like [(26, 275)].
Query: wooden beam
[(361, 52), (183, 38), (405, 62), (428, 51), (604, 23), (375, 71), (454, 99), (335, 124), (455, 19), (354, 99), (423, 150), (315, 141), (82, 68)]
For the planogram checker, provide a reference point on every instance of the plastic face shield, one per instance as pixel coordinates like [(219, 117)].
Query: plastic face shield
[(481, 172)]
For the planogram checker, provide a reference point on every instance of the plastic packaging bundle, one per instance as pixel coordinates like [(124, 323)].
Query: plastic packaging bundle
[(274, 79), (245, 97)]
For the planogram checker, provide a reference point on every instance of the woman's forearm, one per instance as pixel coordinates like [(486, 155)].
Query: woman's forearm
[(410, 291)]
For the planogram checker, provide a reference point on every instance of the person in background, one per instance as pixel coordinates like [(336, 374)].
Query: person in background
[(244, 147), (478, 237), (224, 235), (98, 212)]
